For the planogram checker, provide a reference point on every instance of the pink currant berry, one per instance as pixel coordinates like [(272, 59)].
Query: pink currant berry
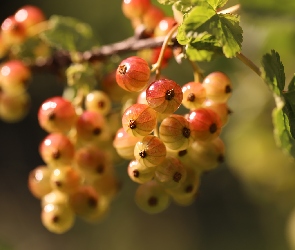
[(175, 132), (57, 150), (164, 26), (39, 181), (14, 77), (135, 8), (140, 173), (194, 94), (29, 15), (164, 96), (124, 144), (14, 108), (152, 16), (151, 197), (171, 173), (65, 179), (218, 87), (57, 114), (221, 109), (139, 120), (150, 151), (99, 101), (90, 126), (133, 74), (205, 124), (12, 31)]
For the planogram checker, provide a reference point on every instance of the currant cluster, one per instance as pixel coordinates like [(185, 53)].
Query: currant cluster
[(78, 178), (155, 23), (168, 152)]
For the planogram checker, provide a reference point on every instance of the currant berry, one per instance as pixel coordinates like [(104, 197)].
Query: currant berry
[(175, 132), (55, 197), (29, 15), (164, 96), (152, 16), (140, 173), (57, 218), (150, 151), (90, 126), (39, 181), (14, 108), (66, 179), (218, 87), (221, 109), (91, 160), (188, 188), (133, 74), (98, 101), (151, 197), (57, 114), (194, 94), (205, 124), (57, 150), (14, 77), (164, 26), (139, 120), (12, 31), (171, 173), (124, 144), (135, 8)]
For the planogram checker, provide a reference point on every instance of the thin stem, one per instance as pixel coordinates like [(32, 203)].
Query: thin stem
[(156, 67), (198, 73), (249, 63)]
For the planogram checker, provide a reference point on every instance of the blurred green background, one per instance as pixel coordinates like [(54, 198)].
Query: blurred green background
[(244, 204)]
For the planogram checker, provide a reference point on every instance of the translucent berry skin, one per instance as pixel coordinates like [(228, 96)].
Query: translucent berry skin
[(175, 132), (152, 198), (152, 16), (14, 77), (55, 197), (124, 144), (29, 15), (98, 101), (139, 120), (65, 179), (39, 181), (221, 109), (57, 150), (164, 26), (218, 87), (14, 108), (205, 124), (57, 218), (133, 74), (171, 173), (91, 160), (135, 8), (194, 95), (90, 126), (150, 151), (57, 114), (140, 173), (12, 31), (164, 96)]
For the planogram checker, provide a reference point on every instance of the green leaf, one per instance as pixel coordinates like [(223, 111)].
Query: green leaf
[(291, 85), (272, 72), (69, 34), (217, 3), (199, 55)]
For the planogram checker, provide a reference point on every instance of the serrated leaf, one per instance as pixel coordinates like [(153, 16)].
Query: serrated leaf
[(217, 3), (291, 85), (272, 72), (69, 34), (199, 55)]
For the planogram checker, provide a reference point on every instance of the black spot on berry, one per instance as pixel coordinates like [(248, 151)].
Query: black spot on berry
[(153, 201), (169, 94), (213, 128), (132, 124), (186, 132), (177, 177), (191, 97)]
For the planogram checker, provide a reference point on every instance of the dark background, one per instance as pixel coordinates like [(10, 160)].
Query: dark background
[(243, 204)]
